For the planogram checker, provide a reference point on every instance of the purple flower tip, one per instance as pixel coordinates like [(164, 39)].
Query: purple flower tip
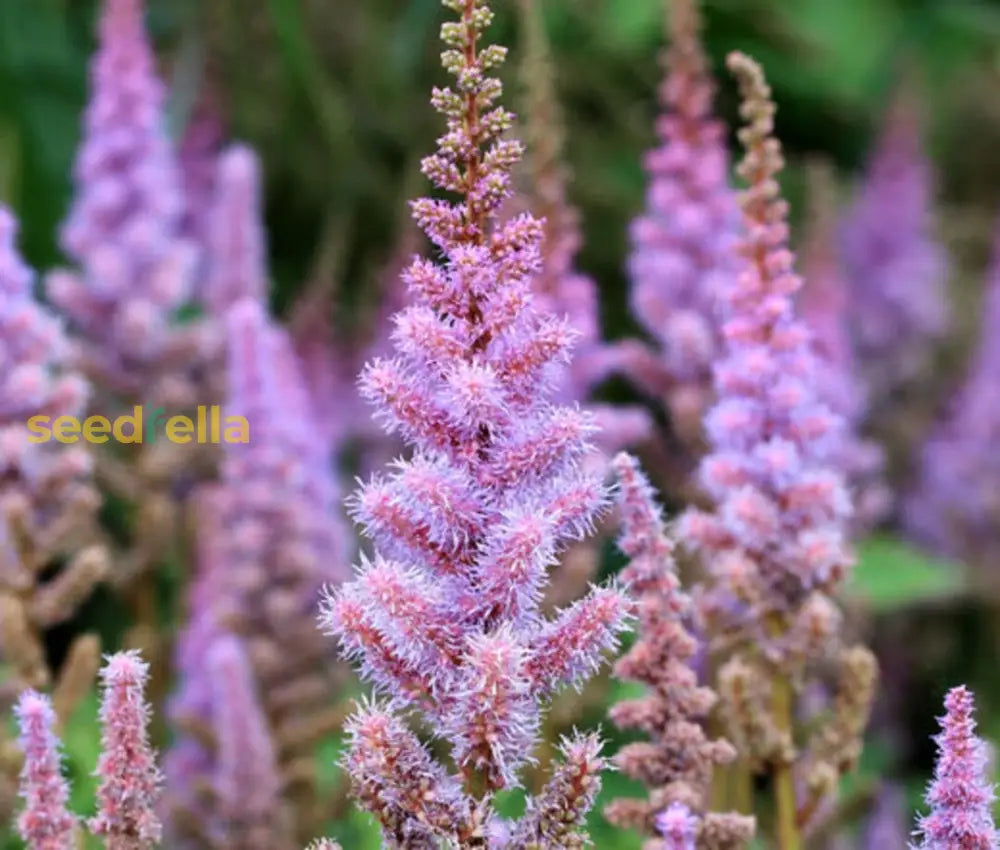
[(960, 797)]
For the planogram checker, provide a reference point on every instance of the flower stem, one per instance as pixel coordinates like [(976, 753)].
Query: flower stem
[(786, 822)]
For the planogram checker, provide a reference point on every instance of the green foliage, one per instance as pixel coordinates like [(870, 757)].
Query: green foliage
[(891, 574)]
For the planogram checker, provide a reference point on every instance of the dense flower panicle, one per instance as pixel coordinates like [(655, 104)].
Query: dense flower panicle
[(235, 265), (445, 616), (776, 537), (824, 306), (45, 823), (47, 502), (270, 538), (247, 786), (134, 267), (896, 268), (682, 245), (560, 287), (961, 796), (955, 507), (678, 760), (130, 782)]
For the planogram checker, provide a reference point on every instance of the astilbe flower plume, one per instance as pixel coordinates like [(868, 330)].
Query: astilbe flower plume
[(247, 812), (682, 245), (270, 539), (134, 267), (774, 546), (560, 287), (824, 303), (896, 268), (45, 823), (47, 502), (776, 539), (955, 506), (960, 797), (678, 761), (444, 617), (129, 779)]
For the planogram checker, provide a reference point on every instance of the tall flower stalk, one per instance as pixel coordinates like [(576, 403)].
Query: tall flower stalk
[(444, 616), (896, 267), (825, 307), (682, 245), (560, 287), (774, 546), (269, 540), (955, 507), (678, 761)]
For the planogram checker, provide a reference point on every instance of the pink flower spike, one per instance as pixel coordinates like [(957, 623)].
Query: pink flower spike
[(960, 797), (45, 823), (130, 782)]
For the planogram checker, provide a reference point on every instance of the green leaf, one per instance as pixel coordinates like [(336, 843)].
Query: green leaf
[(891, 574)]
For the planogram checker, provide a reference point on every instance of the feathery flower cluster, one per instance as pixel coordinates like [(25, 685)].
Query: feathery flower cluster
[(775, 544), (560, 287), (270, 540), (960, 797), (683, 255), (130, 782), (678, 760), (823, 304), (896, 269), (134, 267), (445, 617), (47, 502), (45, 823), (956, 506), (129, 787)]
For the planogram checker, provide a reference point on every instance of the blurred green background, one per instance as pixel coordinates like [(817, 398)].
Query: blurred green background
[(333, 93)]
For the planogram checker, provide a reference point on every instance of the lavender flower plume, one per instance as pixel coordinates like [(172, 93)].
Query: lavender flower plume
[(960, 797), (682, 245), (45, 823), (247, 785), (47, 502), (560, 287), (678, 761), (236, 262), (896, 268), (270, 538), (774, 545), (444, 616), (134, 268), (824, 303), (955, 506), (130, 781)]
